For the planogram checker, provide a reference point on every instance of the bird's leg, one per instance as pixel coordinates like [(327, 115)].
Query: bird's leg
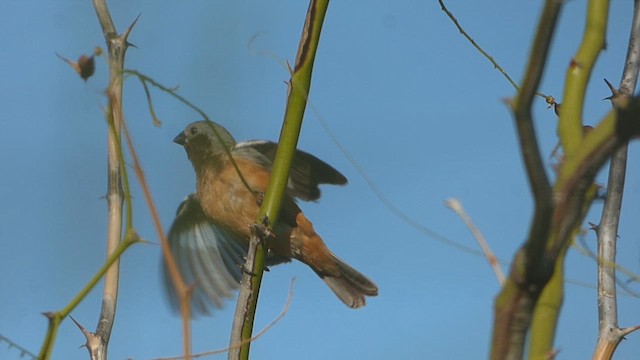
[(259, 197), (264, 233)]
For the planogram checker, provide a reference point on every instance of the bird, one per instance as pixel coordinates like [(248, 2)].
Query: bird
[(210, 235)]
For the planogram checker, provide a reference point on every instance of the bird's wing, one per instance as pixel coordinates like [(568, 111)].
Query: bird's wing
[(307, 171), (208, 257)]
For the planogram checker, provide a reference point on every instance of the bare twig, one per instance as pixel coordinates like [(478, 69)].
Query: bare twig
[(183, 291), (145, 80), (56, 318), (456, 206), (23, 352), (495, 64), (255, 337), (609, 334), (377, 192), (582, 247), (117, 46)]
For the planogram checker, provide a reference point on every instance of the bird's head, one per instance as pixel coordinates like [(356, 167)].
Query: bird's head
[(203, 139)]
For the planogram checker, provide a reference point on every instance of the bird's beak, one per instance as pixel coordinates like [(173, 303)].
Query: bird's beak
[(180, 139)]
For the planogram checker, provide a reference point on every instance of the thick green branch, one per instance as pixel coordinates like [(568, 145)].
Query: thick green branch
[(299, 86), (578, 74)]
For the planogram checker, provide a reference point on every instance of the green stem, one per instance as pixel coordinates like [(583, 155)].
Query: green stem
[(56, 318), (578, 74), (299, 86)]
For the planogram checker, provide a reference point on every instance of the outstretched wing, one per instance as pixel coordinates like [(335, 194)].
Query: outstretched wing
[(208, 257), (307, 171)]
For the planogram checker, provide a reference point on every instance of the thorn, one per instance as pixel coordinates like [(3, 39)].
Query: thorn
[(49, 315), (614, 92), (611, 87), (289, 68), (507, 101), (86, 332), (125, 34), (553, 354)]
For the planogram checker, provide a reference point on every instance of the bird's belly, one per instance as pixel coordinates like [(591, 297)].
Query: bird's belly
[(228, 201)]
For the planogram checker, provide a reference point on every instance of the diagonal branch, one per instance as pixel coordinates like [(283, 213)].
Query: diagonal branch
[(299, 86)]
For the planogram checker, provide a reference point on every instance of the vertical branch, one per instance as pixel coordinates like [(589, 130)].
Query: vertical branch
[(117, 46), (299, 86), (555, 221), (514, 304), (609, 335), (578, 74)]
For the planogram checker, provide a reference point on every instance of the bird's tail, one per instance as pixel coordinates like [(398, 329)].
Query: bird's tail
[(349, 285)]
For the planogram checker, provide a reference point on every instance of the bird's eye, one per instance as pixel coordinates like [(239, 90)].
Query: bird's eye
[(193, 130)]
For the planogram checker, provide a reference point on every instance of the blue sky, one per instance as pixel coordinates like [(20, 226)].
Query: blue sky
[(413, 103)]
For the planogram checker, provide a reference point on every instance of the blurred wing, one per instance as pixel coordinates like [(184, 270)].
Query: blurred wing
[(208, 257), (307, 171)]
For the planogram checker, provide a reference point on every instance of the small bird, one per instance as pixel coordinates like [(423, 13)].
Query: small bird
[(210, 235)]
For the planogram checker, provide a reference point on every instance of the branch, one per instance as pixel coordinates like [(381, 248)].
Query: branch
[(117, 46), (23, 351), (495, 64), (56, 318), (578, 74), (183, 291), (609, 334), (299, 86), (255, 337), (515, 303), (456, 206)]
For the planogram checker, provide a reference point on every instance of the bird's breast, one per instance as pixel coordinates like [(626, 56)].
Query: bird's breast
[(226, 198)]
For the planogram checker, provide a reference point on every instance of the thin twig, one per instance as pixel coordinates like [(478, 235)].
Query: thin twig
[(56, 318), (377, 192), (386, 202), (456, 206), (495, 64), (583, 248), (609, 334), (23, 351), (264, 330), (173, 92), (182, 289)]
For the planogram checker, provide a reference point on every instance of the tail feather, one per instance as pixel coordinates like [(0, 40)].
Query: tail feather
[(350, 285)]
